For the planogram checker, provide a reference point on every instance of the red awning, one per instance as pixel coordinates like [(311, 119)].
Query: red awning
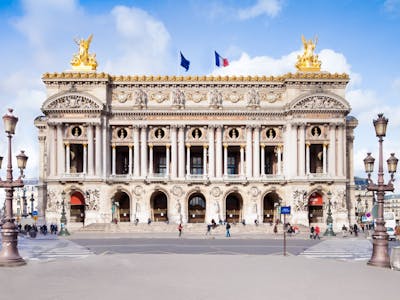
[(315, 200), (77, 199)]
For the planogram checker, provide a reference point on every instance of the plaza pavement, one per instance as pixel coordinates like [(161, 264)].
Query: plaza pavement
[(181, 276)]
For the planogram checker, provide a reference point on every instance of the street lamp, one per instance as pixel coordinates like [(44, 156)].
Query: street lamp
[(63, 220), (24, 203), (380, 256), (9, 255), (359, 207), (32, 200), (329, 221)]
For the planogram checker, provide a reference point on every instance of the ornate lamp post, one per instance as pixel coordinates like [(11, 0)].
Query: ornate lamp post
[(329, 220), (9, 255), (63, 220), (24, 203), (380, 256), (32, 200), (359, 208)]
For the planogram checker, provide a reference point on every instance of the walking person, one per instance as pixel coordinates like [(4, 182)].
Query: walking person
[(275, 229), (180, 228), (228, 227), (208, 232), (317, 232), (312, 232)]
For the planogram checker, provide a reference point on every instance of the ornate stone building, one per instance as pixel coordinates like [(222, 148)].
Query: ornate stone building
[(196, 148)]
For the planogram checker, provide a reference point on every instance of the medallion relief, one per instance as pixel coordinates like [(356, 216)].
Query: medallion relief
[(121, 96)]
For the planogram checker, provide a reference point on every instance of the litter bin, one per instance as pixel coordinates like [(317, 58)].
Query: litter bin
[(395, 258), (32, 233)]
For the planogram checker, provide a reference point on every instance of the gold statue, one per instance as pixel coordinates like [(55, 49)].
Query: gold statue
[(84, 61), (308, 62)]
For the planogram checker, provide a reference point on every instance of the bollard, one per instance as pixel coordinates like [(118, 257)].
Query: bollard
[(395, 258)]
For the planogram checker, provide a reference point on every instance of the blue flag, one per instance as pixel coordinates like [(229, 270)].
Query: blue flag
[(184, 62)]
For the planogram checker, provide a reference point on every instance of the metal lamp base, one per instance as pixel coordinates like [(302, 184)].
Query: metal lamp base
[(64, 232), (9, 255), (329, 232), (380, 255)]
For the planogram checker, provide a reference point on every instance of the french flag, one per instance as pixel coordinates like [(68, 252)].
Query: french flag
[(220, 61)]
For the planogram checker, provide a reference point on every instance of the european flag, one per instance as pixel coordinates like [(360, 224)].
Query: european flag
[(184, 62)]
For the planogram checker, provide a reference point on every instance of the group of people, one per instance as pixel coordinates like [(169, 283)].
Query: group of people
[(352, 228), (315, 232), (213, 225)]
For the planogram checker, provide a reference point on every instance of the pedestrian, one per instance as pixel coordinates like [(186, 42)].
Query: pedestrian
[(317, 232), (344, 230), (180, 228), (312, 230), (208, 229), (275, 229), (228, 227), (355, 228)]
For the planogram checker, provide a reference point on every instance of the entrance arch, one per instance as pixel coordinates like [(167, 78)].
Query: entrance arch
[(77, 212), (233, 206), (315, 208), (196, 208), (121, 207), (270, 203), (159, 207)]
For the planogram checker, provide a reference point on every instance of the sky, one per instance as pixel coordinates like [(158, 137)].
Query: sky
[(259, 37)]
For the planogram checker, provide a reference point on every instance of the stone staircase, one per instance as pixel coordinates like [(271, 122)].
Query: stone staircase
[(161, 227)]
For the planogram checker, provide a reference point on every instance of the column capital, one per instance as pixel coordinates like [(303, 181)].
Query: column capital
[(167, 146), (150, 145), (308, 144), (205, 146), (225, 145), (262, 145), (66, 143), (131, 146), (113, 146), (188, 145), (84, 145), (326, 144)]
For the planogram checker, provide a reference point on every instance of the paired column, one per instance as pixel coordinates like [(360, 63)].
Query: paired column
[(249, 158), (68, 158), (136, 157), (279, 159), (130, 160), (218, 160), (225, 159), (262, 159), (53, 151), (307, 158), (302, 139), (174, 152), (256, 151), (332, 150), (60, 150), (205, 160), (340, 150), (324, 158), (211, 152), (151, 160), (113, 159), (187, 159), (242, 160), (90, 157), (143, 150), (85, 156), (181, 151), (98, 149), (167, 158)]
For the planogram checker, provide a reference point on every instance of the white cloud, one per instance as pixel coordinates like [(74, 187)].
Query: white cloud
[(392, 6), (362, 100), (270, 8), (396, 85)]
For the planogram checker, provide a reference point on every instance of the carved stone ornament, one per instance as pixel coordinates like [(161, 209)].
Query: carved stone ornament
[(270, 97), (254, 191), (177, 191), (319, 102), (216, 191), (139, 98), (234, 97), (159, 96), (177, 98), (73, 101), (122, 96), (197, 96), (53, 205), (253, 98), (92, 200), (138, 190), (215, 99), (299, 200)]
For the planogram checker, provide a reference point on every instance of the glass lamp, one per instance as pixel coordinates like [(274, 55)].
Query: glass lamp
[(10, 121), (369, 163), (392, 163), (21, 160), (380, 125)]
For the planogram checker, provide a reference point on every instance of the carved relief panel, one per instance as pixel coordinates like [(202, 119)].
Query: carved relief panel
[(196, 134), (234, 134), (271, 134), (121, 134), (159, 134), (317, 132)]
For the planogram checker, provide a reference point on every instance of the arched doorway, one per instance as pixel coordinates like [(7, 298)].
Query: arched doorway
[(196, 208), (270, 204), (233, 205), (77, 212), (159, 207), (121, 207), (315, 208)]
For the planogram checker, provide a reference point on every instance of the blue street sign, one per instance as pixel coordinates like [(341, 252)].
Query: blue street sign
[(285, 210), (34, 213)]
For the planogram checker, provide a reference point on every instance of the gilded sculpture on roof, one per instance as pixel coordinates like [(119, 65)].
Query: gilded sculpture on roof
[(83, 60), (308, 61)]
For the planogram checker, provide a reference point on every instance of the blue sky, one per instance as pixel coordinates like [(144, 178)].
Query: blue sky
[(360, 38)]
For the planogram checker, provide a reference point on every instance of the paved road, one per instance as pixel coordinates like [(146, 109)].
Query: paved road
[(194, 246)]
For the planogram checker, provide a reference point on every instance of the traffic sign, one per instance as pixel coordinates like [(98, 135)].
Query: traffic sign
[(285, 210), (34, 213)]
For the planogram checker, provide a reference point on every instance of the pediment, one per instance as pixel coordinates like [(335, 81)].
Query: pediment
[(320, 101), (73, 101)]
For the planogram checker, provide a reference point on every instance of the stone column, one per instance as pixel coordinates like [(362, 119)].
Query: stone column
[(218, 159), (242, 160), (249, 158), (324, 158), (211, 152), (167, 158), (294, 138), (302, 145), (60, 150), (181, 152), (85, 156), (262, 159), (225, 159), (151, 163), (187, 159), (106, 150), (113, 160), (143, 151), (307, 158), (332, 150), (130, 160), (279, 159), (90, 150), (174, 153), (287, 157), (68, 158), (340, 151), (98, 150), (53, 151), (205, 160), (136, 152), (256, 151)]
